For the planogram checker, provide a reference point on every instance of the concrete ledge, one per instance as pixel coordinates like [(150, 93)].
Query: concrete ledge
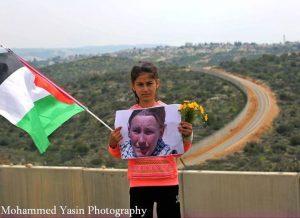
[(240, 194), (203, 193)]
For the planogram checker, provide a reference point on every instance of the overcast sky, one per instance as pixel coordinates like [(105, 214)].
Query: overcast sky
[(76, 23)]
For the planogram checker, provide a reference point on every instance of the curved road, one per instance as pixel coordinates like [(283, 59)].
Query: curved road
[(256, 117)]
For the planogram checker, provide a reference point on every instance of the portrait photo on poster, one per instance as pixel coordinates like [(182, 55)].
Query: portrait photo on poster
[(150, 131)]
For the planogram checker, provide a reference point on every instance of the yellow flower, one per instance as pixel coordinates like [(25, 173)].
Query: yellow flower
[(206, 117), (190, 105), (194, 105), (191, 111), (201, 109)]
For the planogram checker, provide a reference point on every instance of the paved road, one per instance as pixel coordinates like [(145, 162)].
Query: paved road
[(253, 120)]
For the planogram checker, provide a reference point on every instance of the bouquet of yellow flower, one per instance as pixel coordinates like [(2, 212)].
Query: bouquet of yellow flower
[(191, 111)]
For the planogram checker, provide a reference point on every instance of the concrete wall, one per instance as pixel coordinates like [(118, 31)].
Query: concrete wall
[(241, 194), (203, 193)]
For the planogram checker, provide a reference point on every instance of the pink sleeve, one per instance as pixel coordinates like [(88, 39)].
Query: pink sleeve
[(187, 146), (187, 143), (115, 151)]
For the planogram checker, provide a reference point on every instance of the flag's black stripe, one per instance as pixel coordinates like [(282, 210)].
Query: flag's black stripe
[(9, 63)]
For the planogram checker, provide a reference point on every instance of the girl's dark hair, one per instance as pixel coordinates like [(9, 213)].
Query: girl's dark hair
[(158, 113), (143, 67)]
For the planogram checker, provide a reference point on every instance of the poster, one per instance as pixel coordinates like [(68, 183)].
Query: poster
[(150, 132)]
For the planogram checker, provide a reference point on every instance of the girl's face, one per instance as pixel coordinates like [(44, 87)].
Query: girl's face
[(144, 133), (145, 87)]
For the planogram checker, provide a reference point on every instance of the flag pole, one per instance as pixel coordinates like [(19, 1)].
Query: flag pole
[(60, 89), (97, 118)]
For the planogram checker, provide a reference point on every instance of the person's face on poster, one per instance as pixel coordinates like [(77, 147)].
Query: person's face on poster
[(144, 133)]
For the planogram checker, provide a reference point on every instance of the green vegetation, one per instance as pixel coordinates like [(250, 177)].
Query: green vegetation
[(103, 85), (278, 150)]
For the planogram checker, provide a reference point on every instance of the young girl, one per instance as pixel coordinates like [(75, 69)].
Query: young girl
[(152, 179)]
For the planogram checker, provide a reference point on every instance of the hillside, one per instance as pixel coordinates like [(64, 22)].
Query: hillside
[(102, 84), (279, 149), (203, 54)]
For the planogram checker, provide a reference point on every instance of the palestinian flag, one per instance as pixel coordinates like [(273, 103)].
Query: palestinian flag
[(31, 101)]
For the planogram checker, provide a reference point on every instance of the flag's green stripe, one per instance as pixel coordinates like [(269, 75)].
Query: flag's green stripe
[(47, 115)]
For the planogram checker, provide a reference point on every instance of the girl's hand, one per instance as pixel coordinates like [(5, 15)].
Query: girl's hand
[(186, 129), (115, 137)]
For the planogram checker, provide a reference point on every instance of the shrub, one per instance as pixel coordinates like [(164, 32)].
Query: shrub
[(3, 142), (66, 155), (295, 140), (253, 148), (283, 128), (82, 149), (279, 147), (96, 161)]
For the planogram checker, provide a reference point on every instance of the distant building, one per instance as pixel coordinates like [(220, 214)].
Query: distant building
[(188, 44)]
